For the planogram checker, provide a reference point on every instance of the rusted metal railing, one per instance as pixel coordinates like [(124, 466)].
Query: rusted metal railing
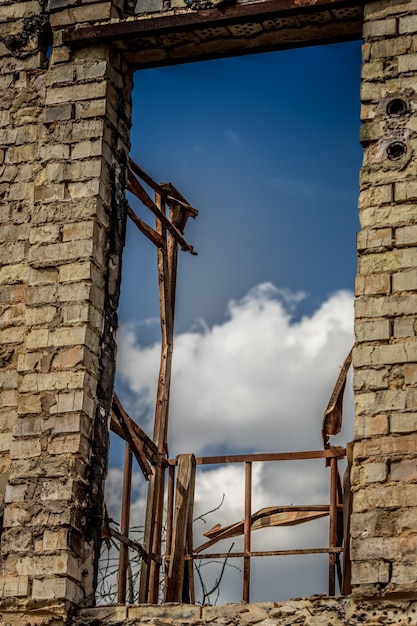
[(171, 212), (334, 509)]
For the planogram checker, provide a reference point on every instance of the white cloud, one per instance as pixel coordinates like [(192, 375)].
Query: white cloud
[(259, 381)]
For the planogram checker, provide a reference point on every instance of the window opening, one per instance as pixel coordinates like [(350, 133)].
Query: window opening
[(232, 138)]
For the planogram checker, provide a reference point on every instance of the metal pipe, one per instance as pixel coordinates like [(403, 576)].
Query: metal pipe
[(330, 453), (332, 525), (247, 531), (170, 517), (124, 524)]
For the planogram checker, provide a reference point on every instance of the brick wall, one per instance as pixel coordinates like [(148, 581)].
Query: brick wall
[(63, 145), (64, 138), (384, 526)]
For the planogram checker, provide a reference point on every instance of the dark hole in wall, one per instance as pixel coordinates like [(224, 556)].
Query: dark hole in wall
[(396, 150), (396, 107)]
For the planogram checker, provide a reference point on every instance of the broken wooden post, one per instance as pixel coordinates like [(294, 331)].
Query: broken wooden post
[(183, 514)]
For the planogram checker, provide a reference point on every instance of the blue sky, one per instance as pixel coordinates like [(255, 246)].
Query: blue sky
[(266, 147)]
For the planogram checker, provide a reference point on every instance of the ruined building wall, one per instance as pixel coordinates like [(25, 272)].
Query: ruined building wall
[(384, 476), (64, 144), (64, 135)]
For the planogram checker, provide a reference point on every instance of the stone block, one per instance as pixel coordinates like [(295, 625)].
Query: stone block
[(365, 355), (405, 191), (10, 274), (56, 253), (14, 586), (404, 327), (105, 614), (371, 330), (403, 422), (57, 589), (375, 473), (406, 235), (152, 6), (370, 379), (48, 565), (371, 425), (388, 447), (384, 496), (373, 284), (169, 610), (374, 238), (404, 281), (67, 293), (29, 403), (90, 108), (79, 230), (370, 572), (25, 448), (91, 71), (75, 93), (58, 113), (404, 573), (380, 28), (27, 425), (86, 149), (404, 470), (72, 443), (83, 189), (407, 24), (388, 306), (53, 151), (44, 276)]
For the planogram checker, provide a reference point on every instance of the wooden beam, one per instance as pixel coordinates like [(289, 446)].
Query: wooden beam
[(184, 487)]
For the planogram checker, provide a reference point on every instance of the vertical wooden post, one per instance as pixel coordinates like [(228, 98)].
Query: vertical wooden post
[(347, 512), (184, 494), (188, 594), (332, 524), (124, 524), (247, 531)]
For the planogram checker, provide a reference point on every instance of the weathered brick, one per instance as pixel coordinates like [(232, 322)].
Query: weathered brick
[(372, 330), (407, 24), (14, 586), (375, 472), (404, 470), (404, 281), (56, 589), (373, 284), (404, 327), (374, 238), (370, 572), (403, 422), (385, 354)]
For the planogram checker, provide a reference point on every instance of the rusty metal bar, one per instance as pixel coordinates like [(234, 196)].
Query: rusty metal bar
[(338, 452), (124, 524), (170, 516), (136, 188), (148, 231), (170, 193), (186, 20), (240, 555), (131, 436), (132, 544), (247, 531), (332, 525)]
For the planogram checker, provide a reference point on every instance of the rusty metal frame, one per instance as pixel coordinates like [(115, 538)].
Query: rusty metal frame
[(152, 454), (186, 19), (335, 509)]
